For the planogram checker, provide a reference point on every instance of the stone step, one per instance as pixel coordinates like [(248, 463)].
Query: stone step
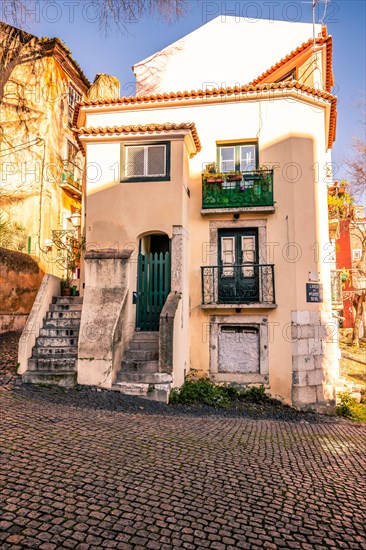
[(63, 315), (145, 377), (60, 332), (61, 324), (51, 364), (65, 307), (54, 341), (67, 300), (144, 335), (63, 379), (140, 355), (130, 365), (62, 351), (148, 345), (153, 392)]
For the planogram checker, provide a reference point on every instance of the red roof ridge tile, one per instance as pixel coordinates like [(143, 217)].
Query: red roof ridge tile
[(141, 128), (324, 39)]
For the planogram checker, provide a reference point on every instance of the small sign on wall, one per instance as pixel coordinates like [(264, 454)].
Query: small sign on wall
[(314, 292)]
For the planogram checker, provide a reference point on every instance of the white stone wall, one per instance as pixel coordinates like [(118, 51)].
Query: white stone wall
[(314, 360)]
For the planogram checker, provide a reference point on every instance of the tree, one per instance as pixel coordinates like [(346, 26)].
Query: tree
[(357, 168), (118, 13)]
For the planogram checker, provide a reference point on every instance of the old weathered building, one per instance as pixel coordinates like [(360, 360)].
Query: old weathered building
[(206, 217)]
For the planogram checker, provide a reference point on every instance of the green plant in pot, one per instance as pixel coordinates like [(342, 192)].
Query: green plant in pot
[(65, 287), (234, 175), (211, 173)]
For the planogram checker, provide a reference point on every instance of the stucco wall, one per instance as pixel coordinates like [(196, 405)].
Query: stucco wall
[(292, 137), (20, 278)]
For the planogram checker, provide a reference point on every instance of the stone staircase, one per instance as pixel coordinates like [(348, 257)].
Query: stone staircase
[(54, 356), (139, 374)]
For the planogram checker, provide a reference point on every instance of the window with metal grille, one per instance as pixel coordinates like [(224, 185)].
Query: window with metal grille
[(150, 162)]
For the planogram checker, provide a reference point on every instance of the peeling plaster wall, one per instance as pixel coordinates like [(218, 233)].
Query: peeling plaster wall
[(20, 278), (102, 336)]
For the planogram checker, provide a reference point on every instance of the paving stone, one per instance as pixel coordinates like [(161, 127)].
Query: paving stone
[(88, 470)]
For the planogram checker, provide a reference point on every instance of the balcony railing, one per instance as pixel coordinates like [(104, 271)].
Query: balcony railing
[(238, 284), (336, 286), (254, 189), (71, 178)]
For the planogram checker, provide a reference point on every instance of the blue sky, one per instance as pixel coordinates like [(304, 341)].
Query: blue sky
[(76, 23)]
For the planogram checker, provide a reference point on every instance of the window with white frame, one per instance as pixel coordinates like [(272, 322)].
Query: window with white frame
[(237, 156), (146, 162), (356, 254)]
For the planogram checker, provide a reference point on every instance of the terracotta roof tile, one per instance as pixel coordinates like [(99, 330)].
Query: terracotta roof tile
[(139, 128), (219, 92), (306, 45)]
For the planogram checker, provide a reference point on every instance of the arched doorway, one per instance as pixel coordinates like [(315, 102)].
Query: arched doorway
[(153, 280)]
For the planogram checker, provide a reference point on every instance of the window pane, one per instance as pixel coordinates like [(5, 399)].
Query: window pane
[(248, 255), (247, 157), (228, 255), (227, 159), (134, 161), (156, 160)]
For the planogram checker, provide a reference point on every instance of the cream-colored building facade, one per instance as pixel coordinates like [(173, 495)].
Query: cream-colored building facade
[(227, 278)]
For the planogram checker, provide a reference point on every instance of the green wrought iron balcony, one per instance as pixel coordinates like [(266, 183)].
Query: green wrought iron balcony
[(241, 285), (248, 190)]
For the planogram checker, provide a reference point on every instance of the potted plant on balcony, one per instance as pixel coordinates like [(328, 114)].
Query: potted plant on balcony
[(212, 174), (234, 175)]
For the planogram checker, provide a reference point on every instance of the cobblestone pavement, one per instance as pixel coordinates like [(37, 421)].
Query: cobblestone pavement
[(75, 473)]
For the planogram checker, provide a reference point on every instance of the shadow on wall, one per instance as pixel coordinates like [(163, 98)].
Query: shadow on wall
[(20, 278)]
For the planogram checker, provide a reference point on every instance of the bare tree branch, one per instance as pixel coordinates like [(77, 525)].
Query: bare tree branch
[(112, 13)]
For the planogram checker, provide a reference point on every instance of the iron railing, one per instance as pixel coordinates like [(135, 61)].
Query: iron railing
[(254, 188), (238, 284), (71, 175)]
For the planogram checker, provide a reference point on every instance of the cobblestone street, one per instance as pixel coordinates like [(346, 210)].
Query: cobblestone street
[(85, 469)]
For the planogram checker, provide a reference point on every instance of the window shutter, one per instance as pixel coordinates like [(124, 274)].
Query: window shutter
[(156, 160), (135, 161)]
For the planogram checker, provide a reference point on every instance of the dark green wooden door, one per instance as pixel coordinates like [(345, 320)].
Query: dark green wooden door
[(153, 287), (238, 275)]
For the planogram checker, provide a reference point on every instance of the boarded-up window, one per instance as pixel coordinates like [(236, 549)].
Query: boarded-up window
[(238, 349)]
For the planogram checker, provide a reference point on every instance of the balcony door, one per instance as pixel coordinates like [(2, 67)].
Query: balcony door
[(238, 273)]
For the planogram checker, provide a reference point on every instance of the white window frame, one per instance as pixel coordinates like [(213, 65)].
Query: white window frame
[(145, 149), (239, 163), (126, 147), (356, 254)]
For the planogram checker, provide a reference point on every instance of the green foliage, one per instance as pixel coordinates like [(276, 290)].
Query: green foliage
[(202, 390), (349, 408), (212, 171), (363, 396), (256, 394), (338, 205), (344, 408)]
